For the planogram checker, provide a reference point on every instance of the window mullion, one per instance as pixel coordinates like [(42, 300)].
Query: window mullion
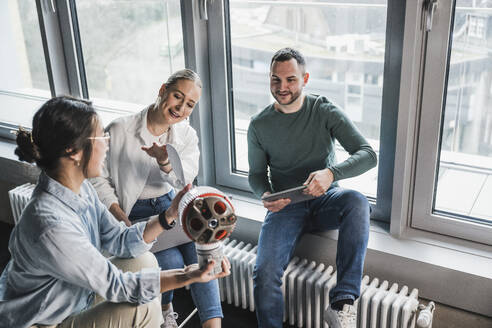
[(70, 43), (406, 136), (395, 27), (53, 48), (221, 98), (196, 50)]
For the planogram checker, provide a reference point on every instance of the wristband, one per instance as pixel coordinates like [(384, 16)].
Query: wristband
[(164, 164), (163, 221)]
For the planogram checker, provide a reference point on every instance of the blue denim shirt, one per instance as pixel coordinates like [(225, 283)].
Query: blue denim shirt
[(57, 266)]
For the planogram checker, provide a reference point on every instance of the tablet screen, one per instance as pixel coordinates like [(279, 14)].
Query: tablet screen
[(295, 195)]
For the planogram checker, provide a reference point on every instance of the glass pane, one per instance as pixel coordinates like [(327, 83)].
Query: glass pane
[(465, 166), (130, 48), (22, 63), (343, 42)]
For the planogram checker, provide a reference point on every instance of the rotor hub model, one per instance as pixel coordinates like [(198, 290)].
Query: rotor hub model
[(207, 215)]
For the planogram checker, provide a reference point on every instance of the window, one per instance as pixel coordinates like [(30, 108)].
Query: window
[(24, 80), (129, 49), (115, 53), (342, 41), (434, 138), (454, 163)]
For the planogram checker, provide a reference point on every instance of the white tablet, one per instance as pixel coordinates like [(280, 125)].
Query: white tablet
[(295, 195)]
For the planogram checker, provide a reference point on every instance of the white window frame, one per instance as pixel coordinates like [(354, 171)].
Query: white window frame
[(435, 73)]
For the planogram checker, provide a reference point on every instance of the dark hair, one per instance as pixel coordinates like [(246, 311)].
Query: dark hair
[(286, 54), (60, 128)]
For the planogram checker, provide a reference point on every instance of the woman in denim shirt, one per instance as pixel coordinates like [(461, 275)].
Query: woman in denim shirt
[(57, 269)]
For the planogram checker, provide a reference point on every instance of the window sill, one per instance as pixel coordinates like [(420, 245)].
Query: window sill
[(7, 148), (459, 255)]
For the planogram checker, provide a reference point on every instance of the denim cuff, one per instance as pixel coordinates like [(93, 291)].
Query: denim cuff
[(210, 313), (149, 284), (342, 297)]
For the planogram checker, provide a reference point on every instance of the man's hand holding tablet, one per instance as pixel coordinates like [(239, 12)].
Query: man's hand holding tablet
[(318, 182), (274, 205), (316, 185)]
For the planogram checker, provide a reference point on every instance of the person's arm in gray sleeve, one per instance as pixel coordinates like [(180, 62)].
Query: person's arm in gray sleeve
[(258, 164), (362, 157)]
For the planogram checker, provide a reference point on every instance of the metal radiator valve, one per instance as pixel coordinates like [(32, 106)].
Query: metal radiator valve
[(424, 320)]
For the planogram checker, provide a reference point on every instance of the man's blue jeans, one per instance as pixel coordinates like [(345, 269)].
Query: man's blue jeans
[(342, 209), (205, 295)]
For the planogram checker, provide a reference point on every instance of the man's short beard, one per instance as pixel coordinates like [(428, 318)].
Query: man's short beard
[(295, 96)]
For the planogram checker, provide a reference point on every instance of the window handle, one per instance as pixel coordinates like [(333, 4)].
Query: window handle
[(48, 6), (431, 6), (202, 9)]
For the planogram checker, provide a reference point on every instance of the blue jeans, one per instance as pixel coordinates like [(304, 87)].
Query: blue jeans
[(205, 295), (342, 209)]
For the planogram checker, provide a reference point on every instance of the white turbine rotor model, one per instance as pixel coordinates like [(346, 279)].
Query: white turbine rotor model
[(207, 217)]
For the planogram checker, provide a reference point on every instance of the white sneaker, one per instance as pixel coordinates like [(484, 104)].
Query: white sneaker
[(346, 318), (169, 319)]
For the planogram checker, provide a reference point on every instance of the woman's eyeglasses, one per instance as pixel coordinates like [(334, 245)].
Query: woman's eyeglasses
[(105, 137)]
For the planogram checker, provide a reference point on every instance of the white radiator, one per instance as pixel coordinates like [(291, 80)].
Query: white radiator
[(306, 287), (19, 197)]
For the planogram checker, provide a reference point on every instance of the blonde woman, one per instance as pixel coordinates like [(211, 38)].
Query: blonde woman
[(139, 180)]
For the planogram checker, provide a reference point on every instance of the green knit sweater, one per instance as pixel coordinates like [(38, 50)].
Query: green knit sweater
[(283, 149)]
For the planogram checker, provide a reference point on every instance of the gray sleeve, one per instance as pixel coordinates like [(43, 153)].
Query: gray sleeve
[(362, 156), (258, 164)]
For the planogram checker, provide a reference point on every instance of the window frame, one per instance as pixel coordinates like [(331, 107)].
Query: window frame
[(61, 49), (431, 114), (223, 120), (61, 57)]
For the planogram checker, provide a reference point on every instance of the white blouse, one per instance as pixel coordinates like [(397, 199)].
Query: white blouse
[(155, 186), (127, 166)]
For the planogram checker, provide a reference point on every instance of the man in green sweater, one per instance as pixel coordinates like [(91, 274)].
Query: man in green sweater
[(291, 143)]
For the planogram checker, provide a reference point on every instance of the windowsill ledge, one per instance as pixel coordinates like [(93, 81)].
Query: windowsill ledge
[(470, 258), (7, 148)]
